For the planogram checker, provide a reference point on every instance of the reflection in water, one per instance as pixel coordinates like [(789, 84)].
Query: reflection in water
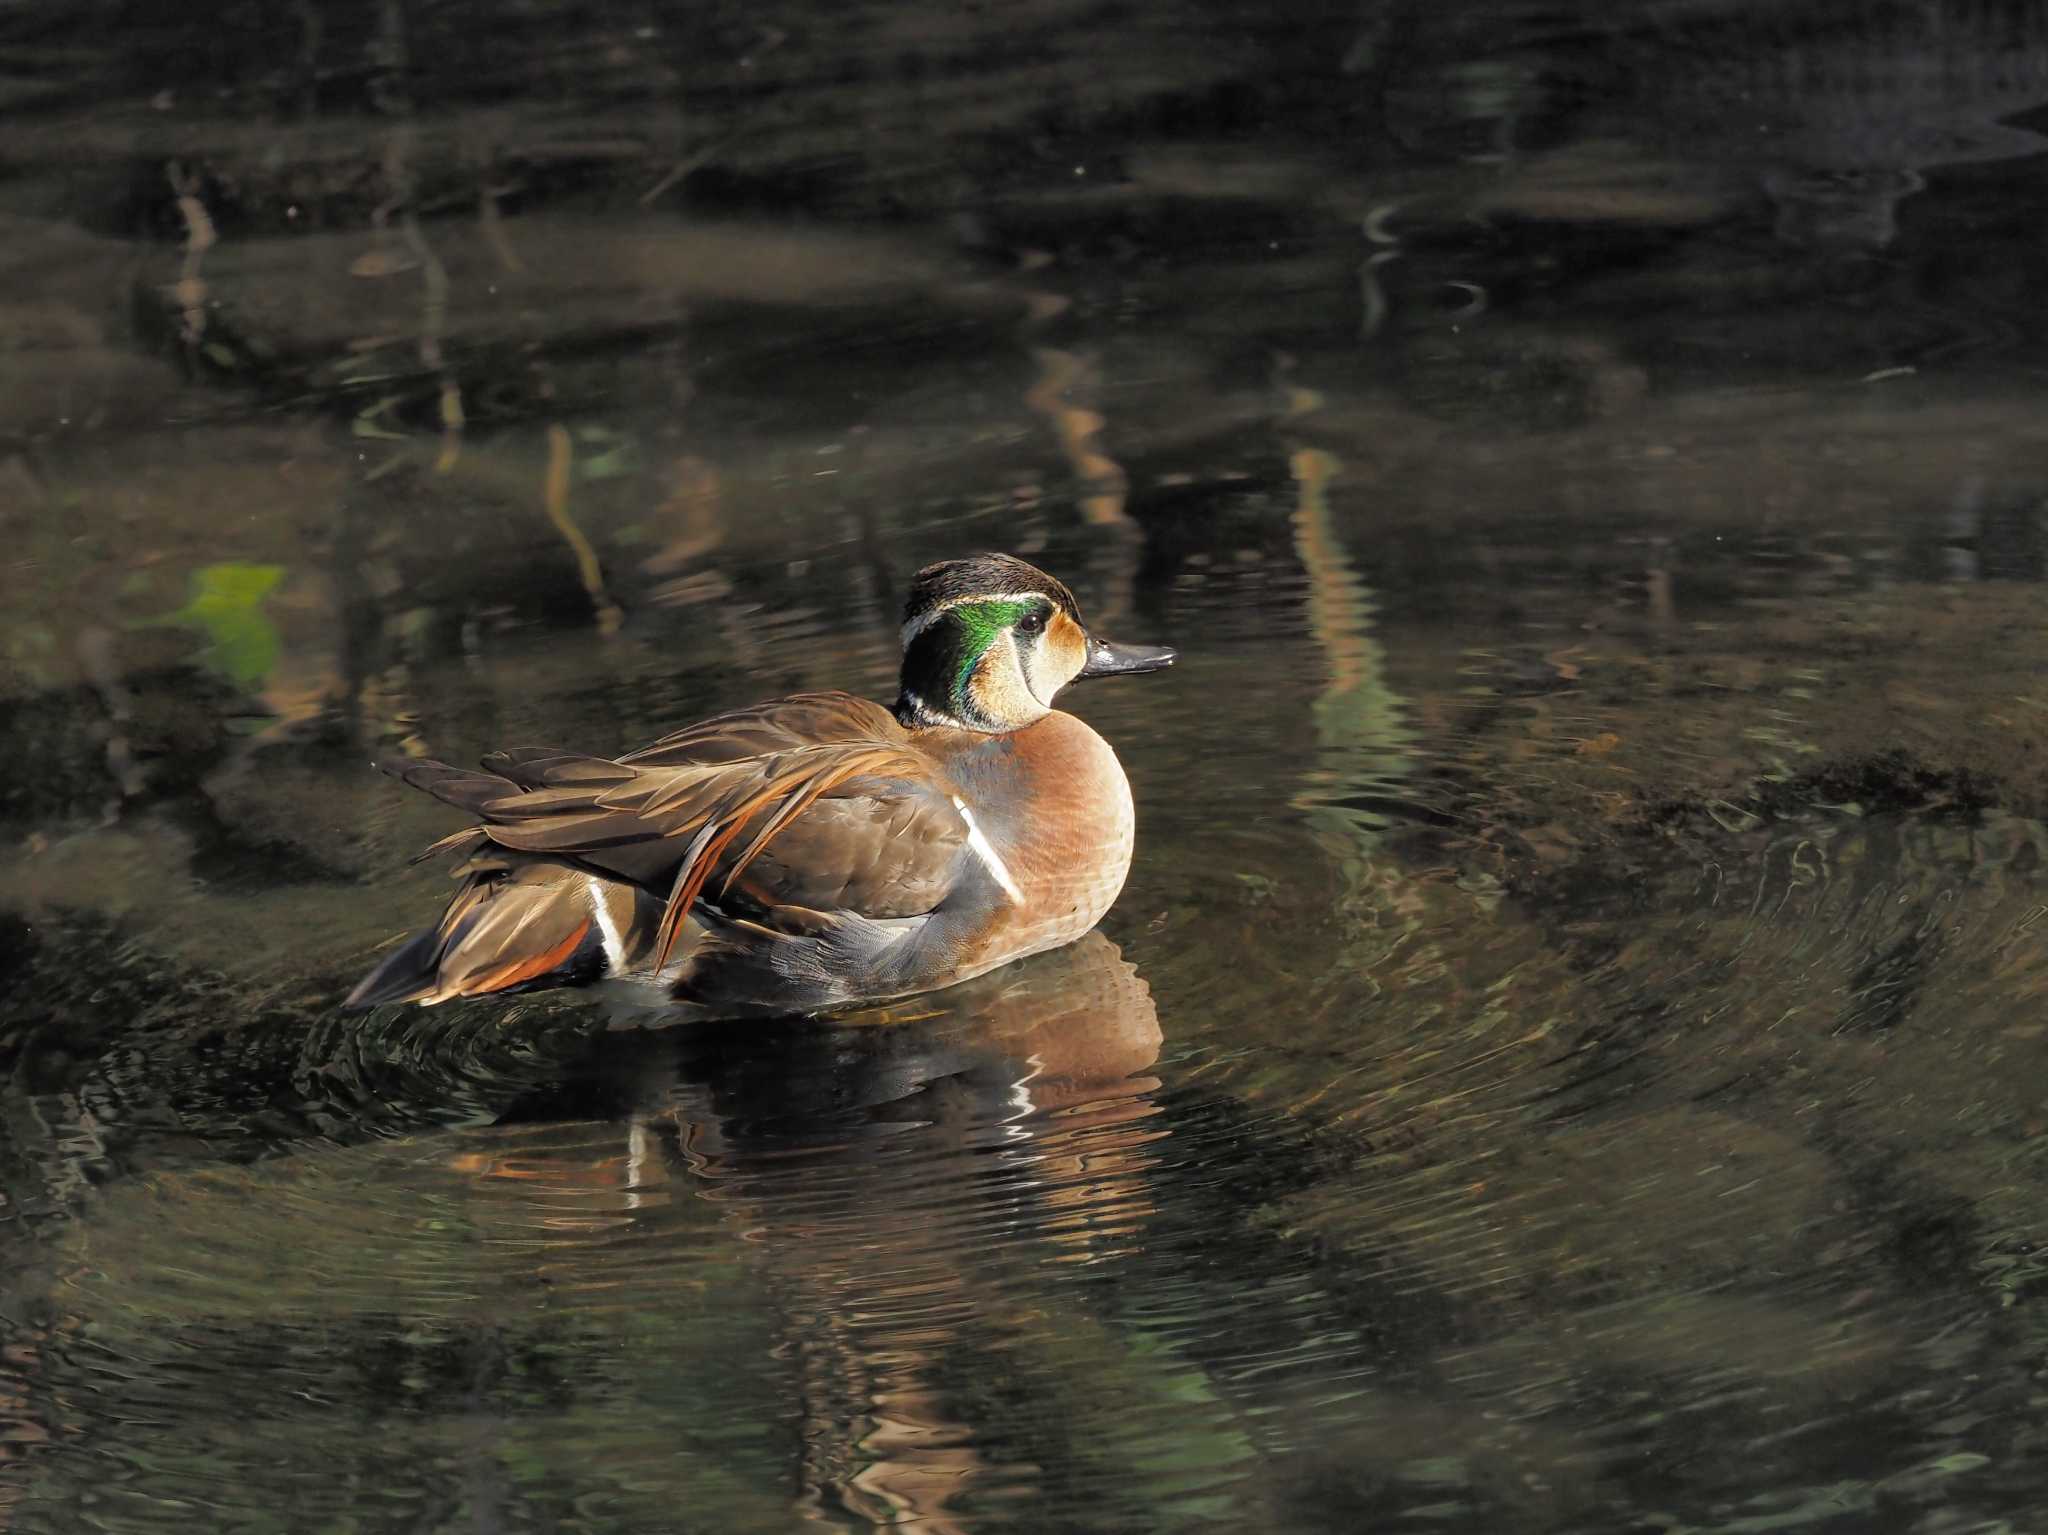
[(1102, 485), (1836, 109), (189, 292), (868, 1163), (1022, 1115), (923, 1196), (560, 457), (1362, 746), (1844, 119)]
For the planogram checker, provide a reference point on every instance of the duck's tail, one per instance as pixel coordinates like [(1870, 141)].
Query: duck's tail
[(517, 924)]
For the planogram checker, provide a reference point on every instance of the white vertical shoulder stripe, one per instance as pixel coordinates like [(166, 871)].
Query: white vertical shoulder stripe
[(986, 852), (614, 945)]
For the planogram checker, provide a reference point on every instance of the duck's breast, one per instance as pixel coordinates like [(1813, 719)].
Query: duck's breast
[(1053, 824)]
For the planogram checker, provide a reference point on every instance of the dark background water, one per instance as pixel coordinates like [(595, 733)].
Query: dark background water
[(1570, 1054)]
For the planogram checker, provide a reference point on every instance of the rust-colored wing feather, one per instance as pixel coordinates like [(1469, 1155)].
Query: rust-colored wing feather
[(790, 791), (672, 814)]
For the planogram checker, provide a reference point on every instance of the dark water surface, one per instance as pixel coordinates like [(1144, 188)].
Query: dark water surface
[(1571, 1053)]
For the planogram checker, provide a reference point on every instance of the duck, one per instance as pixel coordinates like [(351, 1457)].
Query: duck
[(811, 853)]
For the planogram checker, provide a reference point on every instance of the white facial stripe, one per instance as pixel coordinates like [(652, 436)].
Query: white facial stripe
[(924, 620), (991, 860), (1003, 688), (1030, 660)]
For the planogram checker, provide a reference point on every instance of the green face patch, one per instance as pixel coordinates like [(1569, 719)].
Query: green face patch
[(980, 623)]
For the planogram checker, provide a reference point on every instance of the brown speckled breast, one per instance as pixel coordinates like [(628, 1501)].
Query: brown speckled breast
[(1055, 808)]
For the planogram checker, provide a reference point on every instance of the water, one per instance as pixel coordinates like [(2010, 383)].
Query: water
[(1568, 1055)]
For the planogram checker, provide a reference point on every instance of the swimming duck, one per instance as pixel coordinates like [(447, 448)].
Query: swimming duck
[(810, 853)]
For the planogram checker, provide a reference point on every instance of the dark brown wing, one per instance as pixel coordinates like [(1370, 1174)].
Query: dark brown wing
[(781, 724), (879, 847), (856, 819)]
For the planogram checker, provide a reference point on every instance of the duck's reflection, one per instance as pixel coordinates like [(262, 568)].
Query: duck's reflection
[(907, 1178)]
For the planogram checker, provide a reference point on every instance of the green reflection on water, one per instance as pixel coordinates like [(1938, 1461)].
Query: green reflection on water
[(227, 605)]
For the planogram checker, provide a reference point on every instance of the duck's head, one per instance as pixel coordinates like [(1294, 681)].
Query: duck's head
[(988, 642)]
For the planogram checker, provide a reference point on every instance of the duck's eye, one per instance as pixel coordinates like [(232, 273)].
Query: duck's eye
[(1031, 623)]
